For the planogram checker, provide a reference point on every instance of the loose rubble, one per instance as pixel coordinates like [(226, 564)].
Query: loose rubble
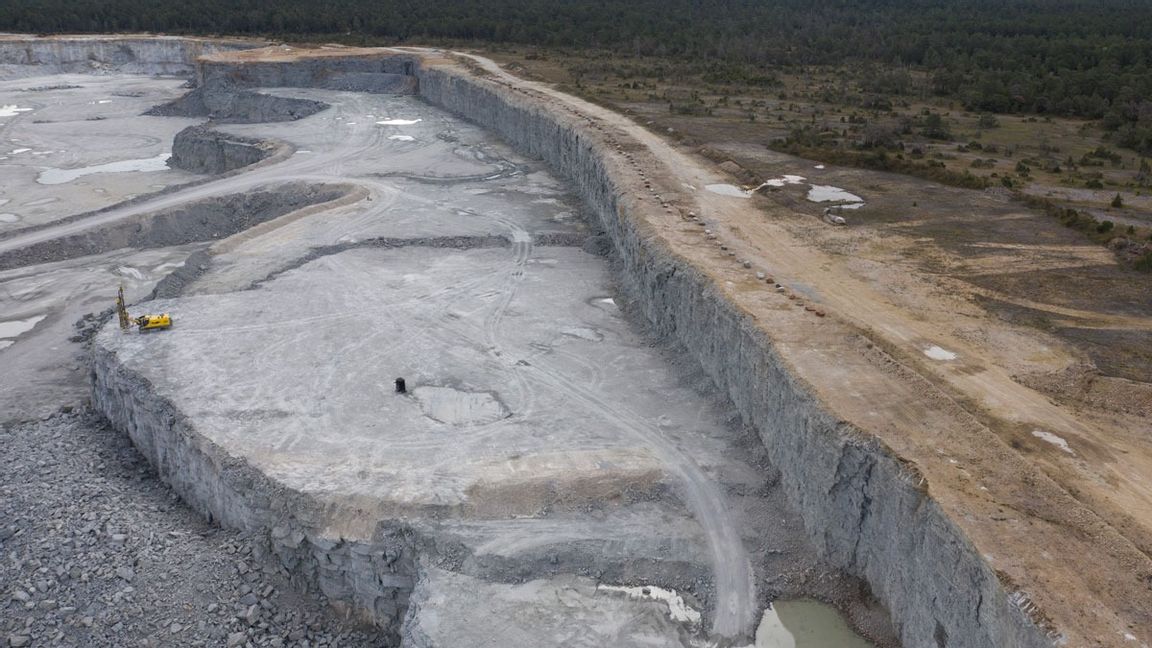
[(96, 551)]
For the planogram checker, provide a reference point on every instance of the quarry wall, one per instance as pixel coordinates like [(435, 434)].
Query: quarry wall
[(128, 55), (865, 511), (863, 508)]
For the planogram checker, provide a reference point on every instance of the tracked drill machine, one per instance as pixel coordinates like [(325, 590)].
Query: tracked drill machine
[(144, 322)]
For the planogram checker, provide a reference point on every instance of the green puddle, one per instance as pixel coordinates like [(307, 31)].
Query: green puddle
[(806, 624)]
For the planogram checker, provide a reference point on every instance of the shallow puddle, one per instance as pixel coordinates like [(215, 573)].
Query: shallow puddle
[(11, 110), (783, 180), (458, 407), (60, 176), (828, 193), (806, 624), (1055, 440), (399, 122), (939, 353), (678, 610), (15, 328), (727, 190)]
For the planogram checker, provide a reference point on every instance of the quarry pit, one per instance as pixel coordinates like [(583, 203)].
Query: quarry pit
[(619, 426)]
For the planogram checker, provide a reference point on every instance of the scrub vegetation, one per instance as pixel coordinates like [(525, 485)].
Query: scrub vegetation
[(1075, 58)]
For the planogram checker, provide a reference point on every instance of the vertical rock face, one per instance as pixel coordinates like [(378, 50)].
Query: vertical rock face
[(374, 74), (863, 510), (373, 579), (139, 55), (225, 104), (201, 150)]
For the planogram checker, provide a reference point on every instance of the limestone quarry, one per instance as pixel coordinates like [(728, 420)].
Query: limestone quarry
[(629, 417)]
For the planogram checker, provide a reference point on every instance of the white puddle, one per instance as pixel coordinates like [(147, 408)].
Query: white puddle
[(828, 193), (402, 138), (783, 180), (399, 122), (727, 190), (9, 218), (60, 176), (15, 328), (20, 150), (938, 353), (819, 166), (11, 110), (607, 300), (1057, 441), (805, 624), (678, 610)]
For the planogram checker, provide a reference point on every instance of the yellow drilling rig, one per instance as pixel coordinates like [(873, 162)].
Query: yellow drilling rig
[(144, 322)]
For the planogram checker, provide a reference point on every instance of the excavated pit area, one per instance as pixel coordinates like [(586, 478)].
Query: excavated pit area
[(600, 442), (551, 465)]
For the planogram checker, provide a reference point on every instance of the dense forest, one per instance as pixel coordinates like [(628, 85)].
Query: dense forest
[(1081, 58)]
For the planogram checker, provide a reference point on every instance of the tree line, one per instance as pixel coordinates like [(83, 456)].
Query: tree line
[(1078, 58)]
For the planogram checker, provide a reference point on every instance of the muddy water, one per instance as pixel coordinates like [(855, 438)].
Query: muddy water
[(805, 624)]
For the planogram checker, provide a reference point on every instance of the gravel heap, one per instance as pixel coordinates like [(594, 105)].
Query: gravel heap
[(96, 551)]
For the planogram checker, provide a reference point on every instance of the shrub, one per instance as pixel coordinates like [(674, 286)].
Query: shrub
[(1117, 202)]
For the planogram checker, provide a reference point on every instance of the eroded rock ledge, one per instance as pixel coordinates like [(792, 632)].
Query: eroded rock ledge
[(206, 220), (202, 150)]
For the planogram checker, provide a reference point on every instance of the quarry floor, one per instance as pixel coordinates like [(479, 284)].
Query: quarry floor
[(542, 429)]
